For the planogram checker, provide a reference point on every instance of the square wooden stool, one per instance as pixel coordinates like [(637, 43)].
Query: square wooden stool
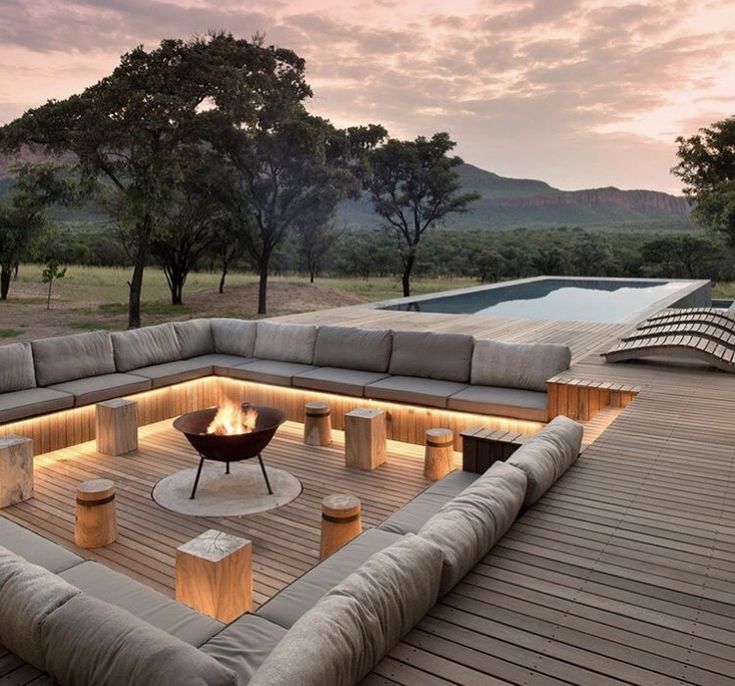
[(16, 469), (365, 438), (117, 426)]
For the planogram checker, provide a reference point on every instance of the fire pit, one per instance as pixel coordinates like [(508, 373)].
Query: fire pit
[(230, 434)]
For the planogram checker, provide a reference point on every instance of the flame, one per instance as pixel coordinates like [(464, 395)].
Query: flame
[(232, 419)]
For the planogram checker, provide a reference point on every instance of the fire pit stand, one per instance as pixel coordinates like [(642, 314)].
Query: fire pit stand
[(229, 447)]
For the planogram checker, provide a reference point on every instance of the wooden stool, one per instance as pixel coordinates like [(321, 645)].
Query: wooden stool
[(16, 469), (117, 426), (439, 453), (96, 518), (365, 438), (317, 424), (214, 575), (341, 522)]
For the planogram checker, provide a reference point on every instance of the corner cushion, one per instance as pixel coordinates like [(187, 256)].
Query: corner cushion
[(233, 336), (195, 337)]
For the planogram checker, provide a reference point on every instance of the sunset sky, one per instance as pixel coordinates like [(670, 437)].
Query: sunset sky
[(579, 93)]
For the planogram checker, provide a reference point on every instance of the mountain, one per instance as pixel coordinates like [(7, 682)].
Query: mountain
[(509, 203)]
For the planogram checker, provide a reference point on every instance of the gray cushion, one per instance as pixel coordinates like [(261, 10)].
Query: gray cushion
[(285, 342), (98, 388), (244, 645), (412, 516), (142, 601), (517, 365), (268, 371), (469, 525), (88, 643), (16, 368), (349, 631), (65, 358), (506, 402), (545, 458), (221, 364), (234, 336), (34, 548), (413, 390), (174, 372), (351, 348), (195, 337), (334, 380), (295, 600), (145, 347), (22, 404), (28, 594), (432, 355)]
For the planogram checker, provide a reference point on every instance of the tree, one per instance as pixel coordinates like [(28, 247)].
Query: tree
[(414, 186), (681, 256), (707, 168), (126, 131), (489, 265)]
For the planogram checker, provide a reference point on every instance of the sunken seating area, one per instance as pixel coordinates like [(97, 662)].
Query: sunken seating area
[(438, 370), (82, 623)]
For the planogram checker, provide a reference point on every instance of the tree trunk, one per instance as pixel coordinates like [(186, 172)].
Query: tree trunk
[(48, 301), (16, 267), (311, 276), (223, 277), (136, 288), (406, 278), (263, 285), (5, 275)]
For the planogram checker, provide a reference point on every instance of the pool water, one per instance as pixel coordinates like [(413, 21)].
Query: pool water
[(588, 300)]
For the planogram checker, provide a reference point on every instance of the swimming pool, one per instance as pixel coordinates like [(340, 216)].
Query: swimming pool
[(560, 298)]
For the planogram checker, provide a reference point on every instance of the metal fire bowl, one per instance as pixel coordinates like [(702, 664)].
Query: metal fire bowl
[(230, 448)]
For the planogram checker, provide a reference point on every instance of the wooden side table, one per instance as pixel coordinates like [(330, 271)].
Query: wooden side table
[(117, 426), (439, 453), (16, 469), (341, 522), (214, 575), (317, 424), (95, 524), (483, 447), (365, 438)]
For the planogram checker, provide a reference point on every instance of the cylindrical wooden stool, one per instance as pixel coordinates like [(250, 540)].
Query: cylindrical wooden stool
[(317, 424), (96, 518), (439, 453), (341, 522)]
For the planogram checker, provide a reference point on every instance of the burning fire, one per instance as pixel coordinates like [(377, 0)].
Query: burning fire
[(232, 419)]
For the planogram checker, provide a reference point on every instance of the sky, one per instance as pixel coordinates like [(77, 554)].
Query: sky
[(578, 93)]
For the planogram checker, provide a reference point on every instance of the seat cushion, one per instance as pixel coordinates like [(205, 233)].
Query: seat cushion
[(353, 348), (335, 380), (65, 358), (517, 365), (28, 403), (174, 372), (233, 336), (269, 371), (142, 601), (548, 455), (98, 388), (412, 516), (16, 368), (221, 364), (36, 549), (506, 402), (88, 642), (145, 347), (195, 337), (285, 342), (244, 645), (413, 390), (296, 599), (431, 355), (350, 629)]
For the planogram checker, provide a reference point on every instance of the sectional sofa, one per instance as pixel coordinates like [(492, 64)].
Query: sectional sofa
[(84, 624), (438, 370)]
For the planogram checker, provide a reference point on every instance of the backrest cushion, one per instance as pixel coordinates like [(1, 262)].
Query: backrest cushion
[(195, 338), (234, 336), (469, 525), (350, 348), (145, 347), (548, 455), (285, 342), (28, 594), (88, 642), (431, 355), (16, 368), (350, 629), (517, 365), (66, 358)]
